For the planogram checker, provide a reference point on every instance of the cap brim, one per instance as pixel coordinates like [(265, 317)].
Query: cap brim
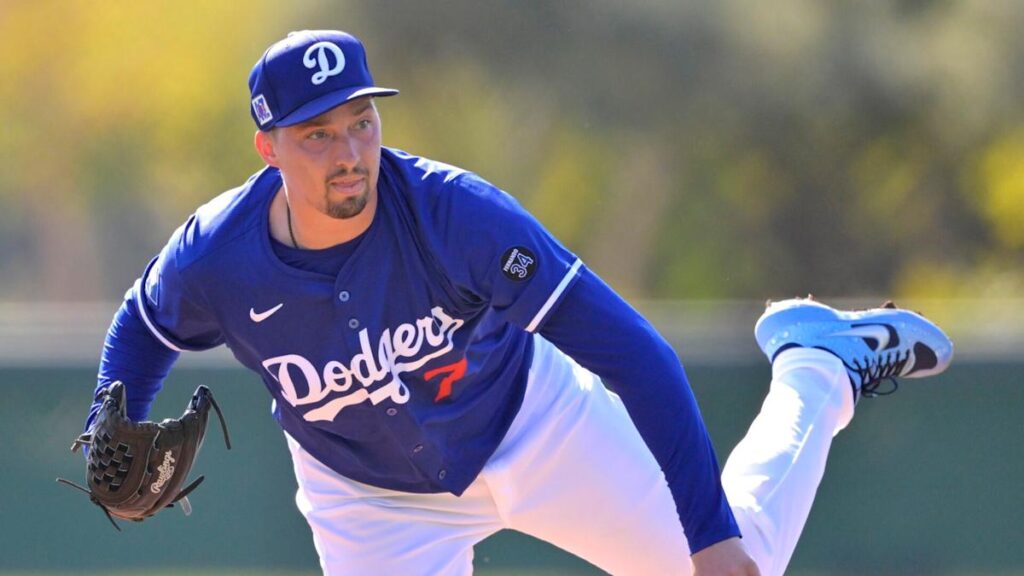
[(324, 103)]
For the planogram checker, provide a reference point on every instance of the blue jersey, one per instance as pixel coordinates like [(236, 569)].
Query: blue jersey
[(427, 323)]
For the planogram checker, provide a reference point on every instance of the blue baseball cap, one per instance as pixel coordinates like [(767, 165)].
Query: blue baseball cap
[(307, 74)]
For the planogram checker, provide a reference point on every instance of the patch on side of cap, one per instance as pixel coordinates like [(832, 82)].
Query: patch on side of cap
[(259, 105)]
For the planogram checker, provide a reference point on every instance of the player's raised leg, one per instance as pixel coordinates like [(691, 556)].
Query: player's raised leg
[(823, 360), (574, 472)]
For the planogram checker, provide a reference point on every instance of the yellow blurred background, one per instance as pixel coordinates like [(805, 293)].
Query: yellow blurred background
[(704, 149)]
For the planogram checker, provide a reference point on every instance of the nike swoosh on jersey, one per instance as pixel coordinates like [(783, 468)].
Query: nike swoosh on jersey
[(261, 316), (882, 334)]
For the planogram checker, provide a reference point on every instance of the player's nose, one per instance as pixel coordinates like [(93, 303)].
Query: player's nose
[(346, 152)]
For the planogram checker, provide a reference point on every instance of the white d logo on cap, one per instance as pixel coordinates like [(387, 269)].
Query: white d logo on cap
[(323, 62)]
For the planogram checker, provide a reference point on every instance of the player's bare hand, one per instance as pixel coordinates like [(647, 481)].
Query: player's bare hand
[(726, 558)]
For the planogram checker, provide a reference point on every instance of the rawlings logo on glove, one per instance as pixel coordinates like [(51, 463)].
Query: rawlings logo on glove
[(136, 469), (166, 470)]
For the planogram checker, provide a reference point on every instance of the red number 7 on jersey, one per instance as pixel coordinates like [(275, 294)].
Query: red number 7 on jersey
[(454, 371)]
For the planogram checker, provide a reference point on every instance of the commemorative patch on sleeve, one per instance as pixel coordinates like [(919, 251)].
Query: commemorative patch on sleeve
[(518, 264)]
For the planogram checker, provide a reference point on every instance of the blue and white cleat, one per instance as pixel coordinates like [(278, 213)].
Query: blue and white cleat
[(876, 345)]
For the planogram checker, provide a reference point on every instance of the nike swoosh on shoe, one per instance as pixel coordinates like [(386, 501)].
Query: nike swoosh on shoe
[(882, 336)]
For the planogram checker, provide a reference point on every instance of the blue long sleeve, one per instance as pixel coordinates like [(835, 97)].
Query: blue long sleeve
[(599, 330), (134, 356)]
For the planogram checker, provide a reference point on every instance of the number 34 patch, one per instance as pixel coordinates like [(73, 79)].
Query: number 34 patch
[(518, 264)]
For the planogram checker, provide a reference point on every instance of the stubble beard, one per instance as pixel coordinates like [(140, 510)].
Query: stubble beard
[(347, 208)]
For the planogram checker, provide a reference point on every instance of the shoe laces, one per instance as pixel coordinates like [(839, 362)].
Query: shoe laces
[(876, 370)]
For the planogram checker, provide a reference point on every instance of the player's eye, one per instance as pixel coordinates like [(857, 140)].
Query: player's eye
[(317, 135), (363, 124)]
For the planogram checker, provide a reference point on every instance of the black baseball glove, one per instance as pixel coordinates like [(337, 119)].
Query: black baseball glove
[(136, 469)]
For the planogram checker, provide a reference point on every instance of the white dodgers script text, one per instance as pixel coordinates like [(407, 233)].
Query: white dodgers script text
[(406, 348)]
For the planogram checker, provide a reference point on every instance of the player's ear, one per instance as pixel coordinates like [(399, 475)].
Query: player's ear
[(266, 147)]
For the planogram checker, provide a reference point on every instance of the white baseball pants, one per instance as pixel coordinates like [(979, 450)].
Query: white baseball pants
[(573, 471)]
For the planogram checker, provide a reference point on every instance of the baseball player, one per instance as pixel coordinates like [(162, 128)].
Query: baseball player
[(435, 357)]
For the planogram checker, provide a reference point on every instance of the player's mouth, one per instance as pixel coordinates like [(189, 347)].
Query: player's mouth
[(347, 186)]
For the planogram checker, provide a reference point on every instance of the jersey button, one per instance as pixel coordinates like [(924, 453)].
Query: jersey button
[(442, 474), (353, 323), (391, 411), (417, 448), (343, 295)]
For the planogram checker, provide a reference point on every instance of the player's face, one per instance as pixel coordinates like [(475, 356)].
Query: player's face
[(332, 161)]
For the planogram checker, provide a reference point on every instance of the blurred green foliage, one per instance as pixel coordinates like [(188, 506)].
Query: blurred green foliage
[(706, 148)]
